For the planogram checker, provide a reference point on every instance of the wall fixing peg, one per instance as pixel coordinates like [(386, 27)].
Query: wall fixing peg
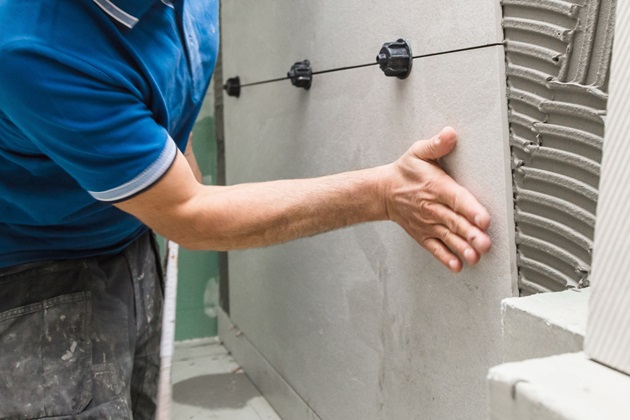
[(395, 59), (301, 74), (233, 86)]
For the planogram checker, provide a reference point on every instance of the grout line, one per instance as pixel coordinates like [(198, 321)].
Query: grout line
[(358, 66)]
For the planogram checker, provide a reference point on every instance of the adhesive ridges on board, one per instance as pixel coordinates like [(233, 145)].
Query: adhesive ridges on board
[(558, 63)]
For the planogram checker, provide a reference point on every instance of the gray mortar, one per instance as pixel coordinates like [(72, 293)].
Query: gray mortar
[(558, 63)]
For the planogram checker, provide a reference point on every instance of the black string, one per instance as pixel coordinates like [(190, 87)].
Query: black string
[(415, 57), (478, 47), (264, 81)]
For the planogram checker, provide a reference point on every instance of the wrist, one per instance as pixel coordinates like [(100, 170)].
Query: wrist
[(379, 186)]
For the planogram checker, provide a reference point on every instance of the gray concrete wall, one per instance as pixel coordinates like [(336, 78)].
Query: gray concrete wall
[(362, 323)]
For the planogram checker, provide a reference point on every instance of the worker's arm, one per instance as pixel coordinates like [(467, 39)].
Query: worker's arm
[(413, 191)]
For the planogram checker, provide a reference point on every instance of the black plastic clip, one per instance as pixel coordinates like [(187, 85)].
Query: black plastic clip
[(233, 86), (301, 74), (395, 59)]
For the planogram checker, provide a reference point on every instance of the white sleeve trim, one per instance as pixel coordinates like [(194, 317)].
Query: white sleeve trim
[(117, 13), (145, 179)]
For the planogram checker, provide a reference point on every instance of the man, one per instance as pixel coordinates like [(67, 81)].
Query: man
[(97, 100)]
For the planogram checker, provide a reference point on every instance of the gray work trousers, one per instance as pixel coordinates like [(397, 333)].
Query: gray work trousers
[(80, 339)]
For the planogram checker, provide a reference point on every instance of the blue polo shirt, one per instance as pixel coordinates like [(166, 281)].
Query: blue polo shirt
[(95, 98)]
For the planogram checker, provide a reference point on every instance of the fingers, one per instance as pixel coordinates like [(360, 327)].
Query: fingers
[(452, 221), (457, 245), (436, 147), (442, 254), (462, 201), (448, 191), (450, 249), (462, 227)]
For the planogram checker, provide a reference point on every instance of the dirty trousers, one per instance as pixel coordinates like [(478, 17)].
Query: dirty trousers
[(80, 339)]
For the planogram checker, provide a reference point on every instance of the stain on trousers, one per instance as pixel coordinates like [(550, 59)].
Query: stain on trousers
[(80, 339)]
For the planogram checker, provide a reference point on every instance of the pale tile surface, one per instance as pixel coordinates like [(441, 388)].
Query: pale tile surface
[(261, 40), (208, 384), (362, 322)]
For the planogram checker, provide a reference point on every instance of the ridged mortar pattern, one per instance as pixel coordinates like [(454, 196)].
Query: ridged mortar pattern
[(558, 63)]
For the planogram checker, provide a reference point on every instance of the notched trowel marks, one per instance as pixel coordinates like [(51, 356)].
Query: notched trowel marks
[(558, 63)]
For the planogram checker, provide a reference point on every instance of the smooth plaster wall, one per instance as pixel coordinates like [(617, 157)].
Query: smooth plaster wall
[(558, 63), (363, 323)]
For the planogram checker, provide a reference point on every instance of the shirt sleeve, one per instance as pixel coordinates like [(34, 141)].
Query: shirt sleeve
[(94, 126)]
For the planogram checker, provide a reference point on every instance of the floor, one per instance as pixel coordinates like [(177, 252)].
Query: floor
[(208, 384)]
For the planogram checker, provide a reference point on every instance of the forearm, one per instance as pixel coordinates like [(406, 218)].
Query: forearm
[(250, 215), (414, 192), (254, 215)]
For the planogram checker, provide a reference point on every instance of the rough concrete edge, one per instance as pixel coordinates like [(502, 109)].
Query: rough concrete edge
[(566, 335), (513, 397), (519, 391), (563, 341), (507, 158), (514, 304), (280, 395)]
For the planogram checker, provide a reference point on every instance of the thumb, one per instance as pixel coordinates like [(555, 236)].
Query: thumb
[(436, 147)]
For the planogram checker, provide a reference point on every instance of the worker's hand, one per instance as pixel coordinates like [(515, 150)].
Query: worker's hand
[(440, 214)]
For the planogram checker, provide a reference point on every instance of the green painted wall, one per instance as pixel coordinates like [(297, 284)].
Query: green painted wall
[(198, 278)]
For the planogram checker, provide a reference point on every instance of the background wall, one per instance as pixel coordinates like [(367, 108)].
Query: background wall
[(362, 322), (198, 277)]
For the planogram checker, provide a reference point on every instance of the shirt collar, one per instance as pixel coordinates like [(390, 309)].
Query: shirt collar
[(125, 12)]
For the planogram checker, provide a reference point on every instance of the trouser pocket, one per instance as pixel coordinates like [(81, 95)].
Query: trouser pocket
[(46, 358)]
